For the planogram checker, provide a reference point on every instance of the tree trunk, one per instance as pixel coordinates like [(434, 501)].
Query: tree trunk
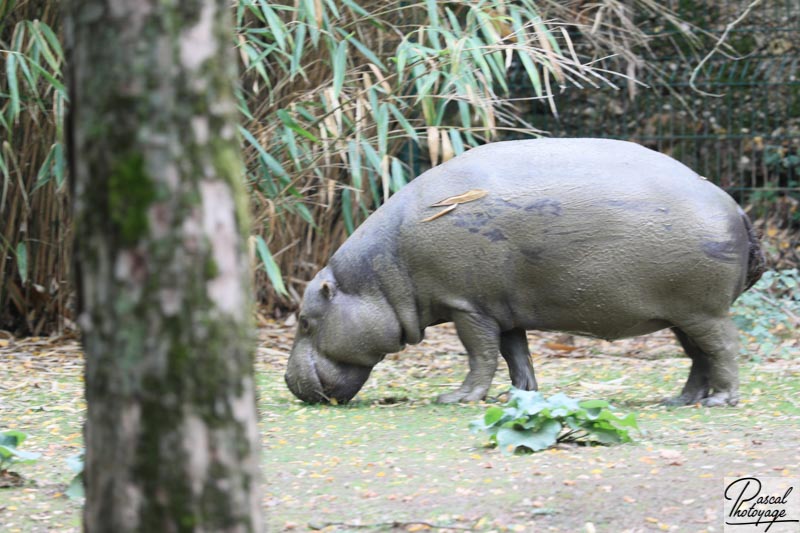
[(163, 286)]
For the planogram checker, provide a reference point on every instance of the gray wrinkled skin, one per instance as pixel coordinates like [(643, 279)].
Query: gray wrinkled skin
[(593, 237)]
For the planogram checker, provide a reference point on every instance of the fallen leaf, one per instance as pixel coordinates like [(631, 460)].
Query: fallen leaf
[(560, 347), (440, 213), (468, 196)]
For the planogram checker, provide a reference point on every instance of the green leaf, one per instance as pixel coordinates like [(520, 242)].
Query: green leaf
[(299, 40), (49, 77), (13, 86), (339, 68), (398, 175), (530, 402), (287, 119), (22, 261), (355, 8), (75, 489), (365, 51), (12, 438), (592, 404), (23, 455), (354, 159), (433, 13), (270, 266), (607, 436), (533, 72), (404, 123), (508, 440), (305, 214), (48, 33), (270, 161), (75, 462), (45, 48), (493, 415), (275, 24), (347, 211)]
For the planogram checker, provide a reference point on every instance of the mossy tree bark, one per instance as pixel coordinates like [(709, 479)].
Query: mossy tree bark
[(162, 278)]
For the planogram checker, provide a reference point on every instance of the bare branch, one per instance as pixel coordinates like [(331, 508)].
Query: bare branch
[(716, 48)]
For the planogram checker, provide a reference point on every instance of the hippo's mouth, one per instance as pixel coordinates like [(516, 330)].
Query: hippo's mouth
[(316, 379)]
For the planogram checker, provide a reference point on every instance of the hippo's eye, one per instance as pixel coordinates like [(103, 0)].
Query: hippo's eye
[(304, 324)]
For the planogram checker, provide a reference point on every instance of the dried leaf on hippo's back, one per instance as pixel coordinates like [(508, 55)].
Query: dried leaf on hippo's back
[(463, 198), (440, 213)]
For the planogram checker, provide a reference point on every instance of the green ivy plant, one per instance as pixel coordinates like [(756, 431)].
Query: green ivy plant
[(75, 489), (773, 304), (10, 454), (529, 422)]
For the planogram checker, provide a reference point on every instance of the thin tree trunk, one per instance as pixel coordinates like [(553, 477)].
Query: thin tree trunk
[(163, 287)]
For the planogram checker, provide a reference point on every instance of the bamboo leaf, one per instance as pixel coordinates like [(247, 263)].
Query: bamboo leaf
[(59, 164), (347, 211), (295, 127), (270, 266), (275, 24), (533, 72), (365, 51), (268, 160), (469, 196), (404, 123), (13, 87), (299, 40), (44, 47), (305, 214), (382, 125), (339, 68), (457, 142), (55, 45), (49, 77), (354, 159), (22, 261), (398, 175), (433, 13)]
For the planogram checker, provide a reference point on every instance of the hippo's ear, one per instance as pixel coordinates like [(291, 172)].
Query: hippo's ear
[(328, 289)]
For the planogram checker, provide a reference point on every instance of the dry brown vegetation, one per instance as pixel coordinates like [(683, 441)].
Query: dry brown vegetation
[(343, 103)]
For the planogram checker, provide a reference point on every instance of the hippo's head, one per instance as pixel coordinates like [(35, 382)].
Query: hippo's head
[(340, 337)]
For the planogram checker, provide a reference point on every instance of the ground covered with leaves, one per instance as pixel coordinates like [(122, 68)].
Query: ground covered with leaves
[(394, 461)]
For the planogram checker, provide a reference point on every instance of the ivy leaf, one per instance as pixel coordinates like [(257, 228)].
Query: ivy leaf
[(535, 440)]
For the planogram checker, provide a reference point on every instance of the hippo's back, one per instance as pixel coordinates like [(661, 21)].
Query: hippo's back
[(595, 236)]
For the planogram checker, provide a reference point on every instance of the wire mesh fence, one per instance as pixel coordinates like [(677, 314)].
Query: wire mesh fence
[(746, 137)]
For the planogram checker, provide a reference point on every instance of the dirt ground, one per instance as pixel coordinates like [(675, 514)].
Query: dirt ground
[(393, 461)]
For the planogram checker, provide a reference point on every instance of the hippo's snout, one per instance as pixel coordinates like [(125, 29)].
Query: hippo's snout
[(313, 378)]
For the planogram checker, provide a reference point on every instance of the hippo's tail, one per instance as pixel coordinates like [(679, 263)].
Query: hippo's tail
[(756, 262)]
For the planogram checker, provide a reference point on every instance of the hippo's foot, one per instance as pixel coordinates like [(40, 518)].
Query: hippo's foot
[(721, 399), (712, 346), (474, 395), (718, 399), (527, 382), (686, 398)]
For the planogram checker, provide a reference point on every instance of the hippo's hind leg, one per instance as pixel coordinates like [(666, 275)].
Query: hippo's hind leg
[(514, 349), (480, 335), (714, 377), (697, 387)]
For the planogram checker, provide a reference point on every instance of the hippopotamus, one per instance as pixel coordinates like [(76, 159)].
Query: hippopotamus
[(594, 237)]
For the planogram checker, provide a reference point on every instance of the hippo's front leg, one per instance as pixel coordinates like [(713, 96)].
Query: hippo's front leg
[(480, 335)]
